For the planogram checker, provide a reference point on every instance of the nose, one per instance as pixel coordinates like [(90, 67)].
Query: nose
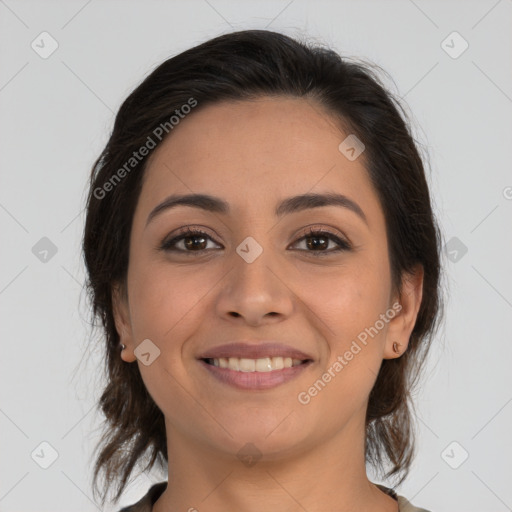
[(256, 292)]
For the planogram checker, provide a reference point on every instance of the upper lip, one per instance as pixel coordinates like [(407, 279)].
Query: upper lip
[(254, 350)]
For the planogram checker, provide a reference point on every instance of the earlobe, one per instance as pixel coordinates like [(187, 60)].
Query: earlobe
[(121, 315), (402, 325), (127, 355)]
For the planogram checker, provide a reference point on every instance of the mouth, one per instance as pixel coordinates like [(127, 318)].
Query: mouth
[(254, 364)]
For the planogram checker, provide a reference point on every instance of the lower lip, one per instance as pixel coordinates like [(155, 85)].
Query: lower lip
[(255, 380)]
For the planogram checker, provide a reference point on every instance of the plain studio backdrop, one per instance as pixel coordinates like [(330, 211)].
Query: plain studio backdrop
[(66, 68)]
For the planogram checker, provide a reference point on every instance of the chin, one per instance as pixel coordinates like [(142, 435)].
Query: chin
[(269, 439)]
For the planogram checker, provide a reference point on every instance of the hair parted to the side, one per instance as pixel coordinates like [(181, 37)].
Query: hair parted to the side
[(240, 66)]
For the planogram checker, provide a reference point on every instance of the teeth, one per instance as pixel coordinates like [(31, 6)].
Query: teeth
[(246, 365), (265, 364)]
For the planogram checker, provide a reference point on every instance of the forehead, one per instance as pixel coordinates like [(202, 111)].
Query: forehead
[(252, 153)]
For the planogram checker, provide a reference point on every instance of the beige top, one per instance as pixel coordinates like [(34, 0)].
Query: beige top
[(145, 504)]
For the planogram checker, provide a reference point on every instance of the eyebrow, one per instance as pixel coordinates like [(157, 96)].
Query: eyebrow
[(287, 206)]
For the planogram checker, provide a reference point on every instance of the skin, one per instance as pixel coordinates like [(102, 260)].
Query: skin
[(253, 154)]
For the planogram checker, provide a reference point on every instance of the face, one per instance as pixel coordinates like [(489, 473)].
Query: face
[(310, 283)]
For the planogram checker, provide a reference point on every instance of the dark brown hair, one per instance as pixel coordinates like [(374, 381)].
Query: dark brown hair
[(238, 66)]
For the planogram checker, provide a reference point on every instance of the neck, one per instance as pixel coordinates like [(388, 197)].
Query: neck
[(330, 476)]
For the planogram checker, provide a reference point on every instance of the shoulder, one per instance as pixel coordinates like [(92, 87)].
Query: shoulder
[(145, 504), (404, 505)]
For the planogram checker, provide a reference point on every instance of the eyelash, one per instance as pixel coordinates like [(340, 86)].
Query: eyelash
[(343, 245)]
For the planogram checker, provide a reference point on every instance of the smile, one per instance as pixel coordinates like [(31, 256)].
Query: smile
[(254, 374)]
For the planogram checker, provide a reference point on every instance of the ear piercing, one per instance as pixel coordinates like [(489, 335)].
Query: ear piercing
[(123, 346), (396, 348)]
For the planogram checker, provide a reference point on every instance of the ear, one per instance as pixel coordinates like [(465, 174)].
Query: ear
[(401, 325), (121, 312)]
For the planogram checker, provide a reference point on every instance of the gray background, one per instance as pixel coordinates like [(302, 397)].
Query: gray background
[(56, 116)]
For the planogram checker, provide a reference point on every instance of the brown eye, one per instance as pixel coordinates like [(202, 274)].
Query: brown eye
[(317, 242), (193, 241)]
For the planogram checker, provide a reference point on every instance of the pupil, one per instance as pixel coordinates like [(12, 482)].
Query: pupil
[(316, 244), (193, 244)]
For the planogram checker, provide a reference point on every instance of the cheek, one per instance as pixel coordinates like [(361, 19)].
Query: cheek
[(348, 299), (350, 306), (165, 301), (163, 306), (350, 303)]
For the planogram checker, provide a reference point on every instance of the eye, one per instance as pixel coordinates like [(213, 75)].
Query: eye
[(318, 240), (194, 240)]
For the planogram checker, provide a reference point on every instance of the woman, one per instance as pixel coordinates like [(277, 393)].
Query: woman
[(260, 242)]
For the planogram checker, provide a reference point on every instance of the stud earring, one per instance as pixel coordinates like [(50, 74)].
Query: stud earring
[(123, 346), (396, 348)]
